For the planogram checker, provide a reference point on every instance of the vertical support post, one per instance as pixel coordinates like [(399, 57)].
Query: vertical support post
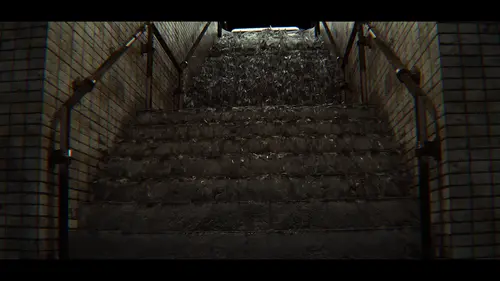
[(62, 157), (424, 148), (179, 92), (232, 99), (362, 64), (423, 173), (219, 28), (64, 133), (317, 31), (149, 67), (180, 97), (423, 182)]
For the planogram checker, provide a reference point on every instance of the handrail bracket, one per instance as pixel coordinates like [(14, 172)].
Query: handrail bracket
[(429, 148), (144, 48), (364, 41)]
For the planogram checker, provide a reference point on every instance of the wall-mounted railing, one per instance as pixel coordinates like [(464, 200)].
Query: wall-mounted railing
[(425, 148), (62, 156)]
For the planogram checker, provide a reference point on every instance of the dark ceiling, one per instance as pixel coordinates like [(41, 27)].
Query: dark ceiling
[(230, 25)]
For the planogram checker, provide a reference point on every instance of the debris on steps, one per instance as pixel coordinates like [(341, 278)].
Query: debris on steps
[(266, 68)]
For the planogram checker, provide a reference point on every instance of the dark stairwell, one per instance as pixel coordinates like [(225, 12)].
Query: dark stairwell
[(262, 163)]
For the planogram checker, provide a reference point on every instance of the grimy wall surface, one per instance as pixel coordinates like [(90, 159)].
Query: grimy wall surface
[(460, 70), (22, 62), (38, 63)]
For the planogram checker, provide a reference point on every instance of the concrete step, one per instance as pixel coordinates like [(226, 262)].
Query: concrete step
[(268, 41), (217, 147), (302, 92), (399, 243), (210, 100), (268, 188), (266, 78), (282, 114), (249, 216), (248, 165), (306, 51), (272, 58), (251, 130)]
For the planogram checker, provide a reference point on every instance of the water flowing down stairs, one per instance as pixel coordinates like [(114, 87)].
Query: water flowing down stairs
[(260, 165)]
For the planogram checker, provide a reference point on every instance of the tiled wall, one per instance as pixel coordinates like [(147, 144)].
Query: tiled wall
[(470, 60), (22, 61), (459, 64)]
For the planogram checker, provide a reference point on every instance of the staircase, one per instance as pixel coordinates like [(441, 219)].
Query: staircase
[(263, 163)]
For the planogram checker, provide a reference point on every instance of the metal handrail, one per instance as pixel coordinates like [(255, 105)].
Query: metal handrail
[(350, 43), (184, 64), (180, 67), (402, 72), (148, 48), (332, 41), (338, 55), (165, 47), (195, 45), (423, 104), (62, 156)]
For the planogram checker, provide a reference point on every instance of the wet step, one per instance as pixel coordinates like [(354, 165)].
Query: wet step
[(282, 114), (265, 188), (399, 243), (249, 216), (262, 129), (247, 165), (217, 147)]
